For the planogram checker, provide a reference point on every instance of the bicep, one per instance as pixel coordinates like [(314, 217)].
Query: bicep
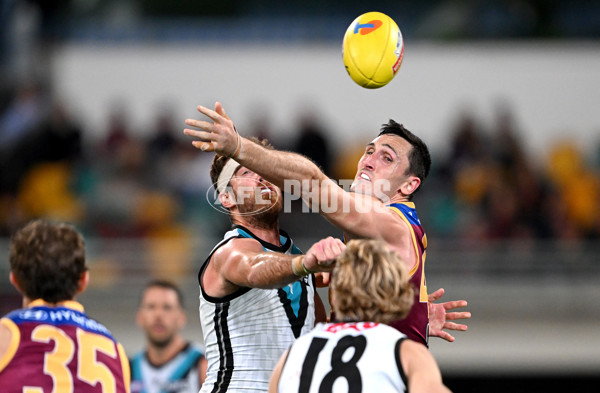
[(234, 260), (356, 214), (244, 263)]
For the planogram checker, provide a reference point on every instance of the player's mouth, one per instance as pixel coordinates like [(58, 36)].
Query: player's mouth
[(266, 190), (364, 176)]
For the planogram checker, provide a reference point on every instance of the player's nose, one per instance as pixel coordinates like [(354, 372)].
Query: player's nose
[(369, 162)]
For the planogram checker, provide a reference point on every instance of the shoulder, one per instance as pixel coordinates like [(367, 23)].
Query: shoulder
[(9, 340), (195, 349), (138, 357), (235, 248)]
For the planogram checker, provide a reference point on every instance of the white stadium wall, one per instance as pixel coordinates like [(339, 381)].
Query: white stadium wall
[(553, 89)]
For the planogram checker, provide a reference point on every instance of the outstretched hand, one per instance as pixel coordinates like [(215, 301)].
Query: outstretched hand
[(322, 255), (439, 316), (219, 136)]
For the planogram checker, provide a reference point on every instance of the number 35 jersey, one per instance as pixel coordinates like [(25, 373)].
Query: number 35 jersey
[(351, 357), (58, 348)]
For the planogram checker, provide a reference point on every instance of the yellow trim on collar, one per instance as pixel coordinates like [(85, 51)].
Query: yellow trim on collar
[(68, 303)]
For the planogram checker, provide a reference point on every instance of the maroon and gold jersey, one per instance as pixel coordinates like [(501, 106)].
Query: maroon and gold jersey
[(416, 323), (59, 349)]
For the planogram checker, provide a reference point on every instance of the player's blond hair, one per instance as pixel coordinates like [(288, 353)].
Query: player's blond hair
[(370, 283)]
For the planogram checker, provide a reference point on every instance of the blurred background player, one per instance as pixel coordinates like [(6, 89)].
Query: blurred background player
[(379, 205), (360, 353), (169, 363), (257, 294), (51, 345)]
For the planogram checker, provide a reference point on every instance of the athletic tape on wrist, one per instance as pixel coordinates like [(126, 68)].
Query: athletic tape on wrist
[(238, 147), (299, 270)]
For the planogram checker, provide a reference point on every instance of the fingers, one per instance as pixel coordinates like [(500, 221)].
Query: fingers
[(206, 135), (322, 279), (214, 116), (455, 304), (335, 246), (201, 124), (332, 248), (432, 297), (446, 336), (205, 143), (455, 326), (220, 110), (324, 252), (458, 315), (204, 146)]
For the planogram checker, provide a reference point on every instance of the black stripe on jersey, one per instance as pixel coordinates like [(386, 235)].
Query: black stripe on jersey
[(225, 353), (399, 362), (296, 323), (269, 246)]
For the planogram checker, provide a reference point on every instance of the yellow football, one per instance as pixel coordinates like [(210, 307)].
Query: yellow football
[(373, 50)]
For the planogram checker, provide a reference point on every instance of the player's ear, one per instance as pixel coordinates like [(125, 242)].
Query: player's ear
[(14, 282), (84, 280), (227, 199), (410, 185)]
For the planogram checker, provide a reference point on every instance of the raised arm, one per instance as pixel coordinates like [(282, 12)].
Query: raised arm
[(295, 174), (275, 166)]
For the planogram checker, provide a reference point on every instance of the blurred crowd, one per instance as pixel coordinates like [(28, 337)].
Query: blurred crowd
[(485, 185)]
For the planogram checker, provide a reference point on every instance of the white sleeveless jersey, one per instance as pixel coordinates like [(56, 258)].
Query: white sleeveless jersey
[(246, 333), (178, 375), (350, 357)]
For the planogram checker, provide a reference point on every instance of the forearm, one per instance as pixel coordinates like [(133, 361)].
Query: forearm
[(271, 271), (280, 167)]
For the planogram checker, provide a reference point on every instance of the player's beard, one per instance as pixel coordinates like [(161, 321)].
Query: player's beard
[(162, 342), (262, 215)]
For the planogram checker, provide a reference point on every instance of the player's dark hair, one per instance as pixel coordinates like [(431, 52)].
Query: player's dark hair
[(47, 260), (418, 158), (165, 284)]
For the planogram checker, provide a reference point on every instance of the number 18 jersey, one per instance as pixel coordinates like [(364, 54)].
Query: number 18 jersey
[(350, 357)]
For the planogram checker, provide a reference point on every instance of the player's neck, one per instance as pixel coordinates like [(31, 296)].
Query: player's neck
[(267, 231), (161, 355), (270, 235), (398, 198)]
